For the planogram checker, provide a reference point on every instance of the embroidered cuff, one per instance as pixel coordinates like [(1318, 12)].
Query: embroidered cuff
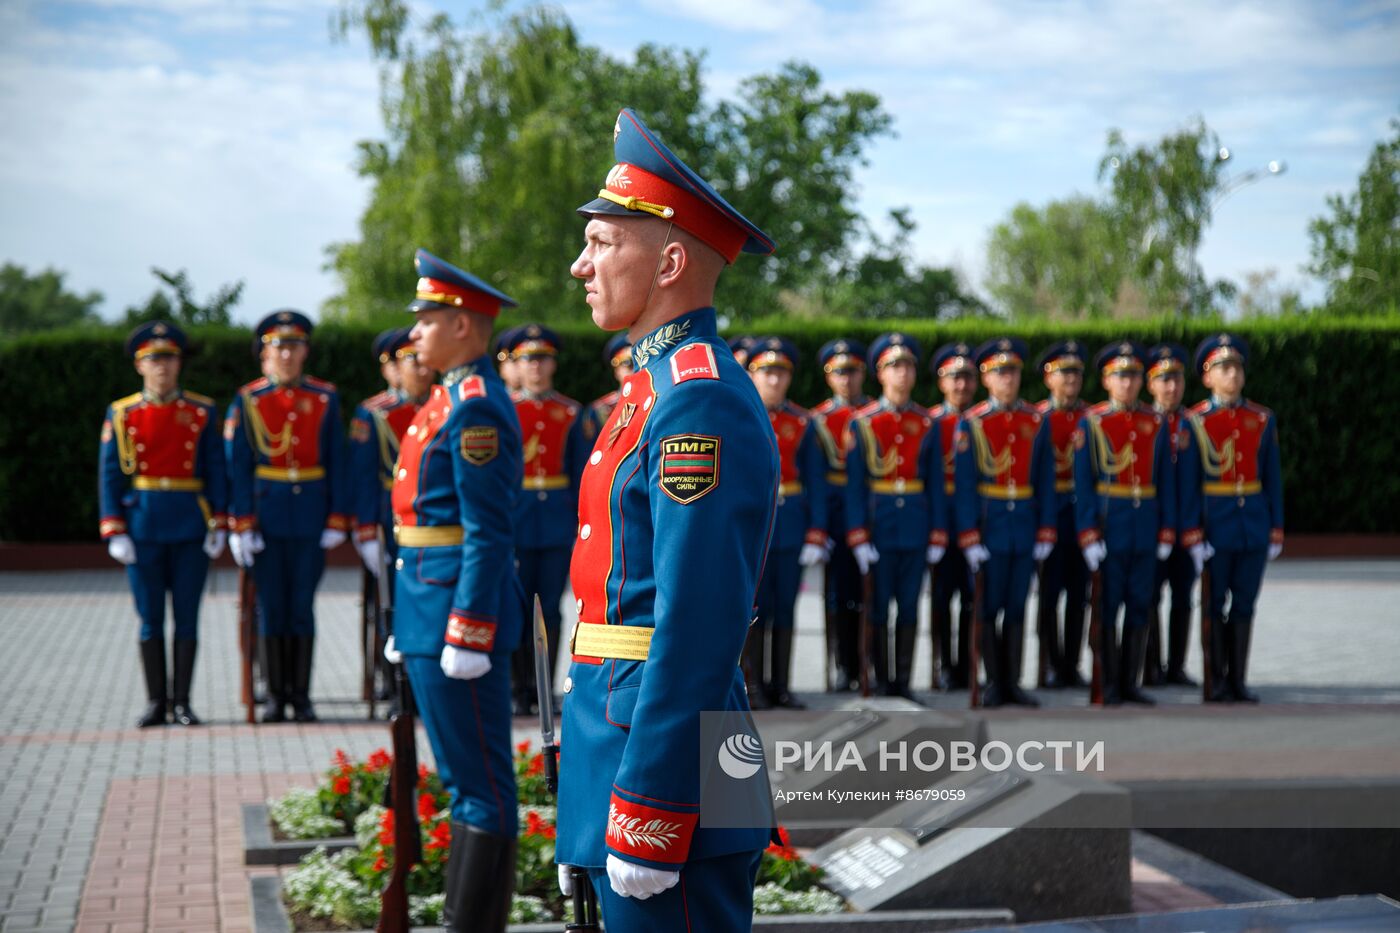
[(217, 522), (1276, 536), (468, 630), (1192, 537), (1166, 536), (938, 538), (1047, 535), (1088, 537), (238, 523), (969, 539), (815, 536), (366, 532), (856, 537), (110, 527), (338, 522), (649, 833)]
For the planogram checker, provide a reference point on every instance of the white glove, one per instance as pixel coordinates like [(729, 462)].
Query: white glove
[(1275, 550), (370, 554), (866, 556), (812, 554), (566, 883), (240, 543), (1164, 550), (638, 881), (462, 664), (214, 543), (1094, 555), (1200, 553), (935, 553), (976, 556), (332, 538), (122, 549), (392, 654), (1042, 550)]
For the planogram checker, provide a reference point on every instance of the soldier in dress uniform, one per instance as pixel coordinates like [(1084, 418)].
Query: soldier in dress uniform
[(895, 504), (1004, 504), (675, 514), (162, 491), (1125, 512), (956, 373), (843, 364), (1166, 382), (458, 604), (617, 354), (1062, 366), (288, 501), (388, 363), (505, 364), (1234, 464), (557, 436), (799, 537), (740, 347)]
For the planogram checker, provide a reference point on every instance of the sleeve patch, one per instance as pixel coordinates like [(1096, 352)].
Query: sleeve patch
[(696, 361), (689, 466), (471, 387), (480, 445), (359, 430)]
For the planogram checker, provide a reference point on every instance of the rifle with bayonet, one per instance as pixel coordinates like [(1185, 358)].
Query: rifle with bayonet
[(581, 889), (370, 612), (403, 781), (247, 641)]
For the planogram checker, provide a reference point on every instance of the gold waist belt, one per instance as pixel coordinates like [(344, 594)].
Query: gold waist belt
[(1238, 488), (789, 489), (428, 535), (290, 474), (1064, 485), (1125, 491), (895, 487), (624, 642), (168, 483), (833, 478), (994, 491), (545, 482)]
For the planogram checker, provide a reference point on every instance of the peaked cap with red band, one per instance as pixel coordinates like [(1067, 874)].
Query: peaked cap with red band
[(1222, 348), (1165, 359), (648, 179), (156, 338), (1123, 356), (443, 285)]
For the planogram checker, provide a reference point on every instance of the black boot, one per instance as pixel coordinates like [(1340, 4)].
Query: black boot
[(525, 696), (904, 636), (1178, 632), (880, 658), (1048, 634), (153, 666), (782, 670), (276, 664), (1013, 647), (847, 649), (1220, 645), (1240, 630), (753, 668), (184, 674), (1152, 673), (993, 694), (1134, 652), (302, 710), (479, 881), (1108, 663), (959, 679), (942, 655)]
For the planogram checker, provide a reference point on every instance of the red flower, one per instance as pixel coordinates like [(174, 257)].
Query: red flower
[(427, 806), (441, 836), (341, 786), (523, 748), (535, 825), (379, 760), (422, 775), (386, 828), (536, 765), (379, 863), (342, 761)]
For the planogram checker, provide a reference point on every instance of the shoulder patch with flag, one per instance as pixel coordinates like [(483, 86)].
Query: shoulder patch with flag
[(689, 466), (480, 445)]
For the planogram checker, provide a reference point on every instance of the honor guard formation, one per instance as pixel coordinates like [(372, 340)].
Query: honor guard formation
[(682, 509)]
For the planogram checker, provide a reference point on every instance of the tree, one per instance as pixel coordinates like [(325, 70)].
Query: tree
[(40, 302), (179, 305), (495, 135), (1264, 296), (1128, 253), (1356, 251)]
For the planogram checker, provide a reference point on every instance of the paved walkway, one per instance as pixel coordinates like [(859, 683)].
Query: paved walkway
[(104, 827)]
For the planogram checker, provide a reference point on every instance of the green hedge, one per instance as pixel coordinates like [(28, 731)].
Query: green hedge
[(1325, 379)]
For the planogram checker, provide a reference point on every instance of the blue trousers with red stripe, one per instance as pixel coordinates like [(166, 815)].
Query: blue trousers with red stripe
[(178, 568), (468, 725), (714, 895)]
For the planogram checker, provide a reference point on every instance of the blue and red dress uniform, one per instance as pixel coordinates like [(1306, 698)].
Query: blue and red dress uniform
[(1064, 570), (676, 511), (801, 519), (162, 482), (617, 352), (1235, 465), (1126, 497), (1178, 571), (376, 430), (1004, 501), (894, 500), (458, 477), (951, 577), (557, 435), (832, 419)]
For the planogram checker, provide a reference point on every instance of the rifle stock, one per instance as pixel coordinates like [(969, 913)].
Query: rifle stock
[(369, 629), (974, 647), (1206, 623), (831, 659), (247, 640), (1096, 637), (867, 588)]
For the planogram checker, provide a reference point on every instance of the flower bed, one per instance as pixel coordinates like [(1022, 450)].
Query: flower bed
[(340, 891)]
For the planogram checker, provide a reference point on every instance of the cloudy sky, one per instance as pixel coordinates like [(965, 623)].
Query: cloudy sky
[(217, 135)]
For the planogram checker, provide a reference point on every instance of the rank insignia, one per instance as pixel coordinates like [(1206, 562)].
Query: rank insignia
[(480, 445), (689, 466)]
